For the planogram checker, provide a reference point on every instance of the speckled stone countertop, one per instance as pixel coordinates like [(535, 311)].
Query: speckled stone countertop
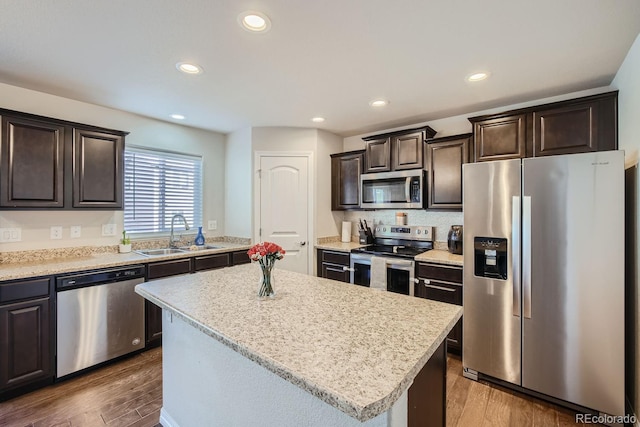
[(47, 267), (440, 257), (311, 334), (339, 246)]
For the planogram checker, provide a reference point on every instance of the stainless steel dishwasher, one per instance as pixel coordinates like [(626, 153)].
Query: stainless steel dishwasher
[(100, 317)]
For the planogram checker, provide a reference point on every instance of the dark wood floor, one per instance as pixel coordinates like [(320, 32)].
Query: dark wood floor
[(472, 403), (129, 394)]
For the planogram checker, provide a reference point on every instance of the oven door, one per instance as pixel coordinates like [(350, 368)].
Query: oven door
[(360, 269), (400, 276)]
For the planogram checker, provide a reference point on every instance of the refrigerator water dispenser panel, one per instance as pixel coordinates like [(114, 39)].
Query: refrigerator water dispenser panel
[(490, 257)]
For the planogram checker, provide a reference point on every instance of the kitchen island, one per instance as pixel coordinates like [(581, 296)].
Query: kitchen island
[(321, 353)]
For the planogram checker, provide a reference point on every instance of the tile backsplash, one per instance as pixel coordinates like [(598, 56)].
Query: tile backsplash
[(440, 220)]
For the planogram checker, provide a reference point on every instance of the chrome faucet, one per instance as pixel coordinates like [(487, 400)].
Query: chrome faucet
[(172, 241)]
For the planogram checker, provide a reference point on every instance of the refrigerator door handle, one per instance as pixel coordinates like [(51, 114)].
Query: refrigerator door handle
[(515, 253), (526, 256)]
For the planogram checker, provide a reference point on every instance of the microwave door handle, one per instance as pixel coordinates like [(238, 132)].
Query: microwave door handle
[(407, 189)]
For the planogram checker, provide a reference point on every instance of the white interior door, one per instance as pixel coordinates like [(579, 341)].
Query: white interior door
[(284, 202)]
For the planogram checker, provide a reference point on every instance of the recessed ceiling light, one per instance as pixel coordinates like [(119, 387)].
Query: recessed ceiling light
[(253, 21), (189, 68), (379, 103), (177, 116), (318, 119), (476, 77)]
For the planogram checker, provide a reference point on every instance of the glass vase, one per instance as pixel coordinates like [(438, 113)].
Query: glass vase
[(266, 281)]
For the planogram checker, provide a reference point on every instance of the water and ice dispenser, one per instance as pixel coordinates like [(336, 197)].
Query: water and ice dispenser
[(490, 257)]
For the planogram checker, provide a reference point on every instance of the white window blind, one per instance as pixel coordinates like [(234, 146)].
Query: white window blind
[(158, 185)]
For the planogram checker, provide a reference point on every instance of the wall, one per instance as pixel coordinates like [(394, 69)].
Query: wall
[(321, 144), (626, 81), (441, 220), (238, 200), (143, 132)]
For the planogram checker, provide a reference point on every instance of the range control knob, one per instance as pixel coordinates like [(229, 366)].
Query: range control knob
[(384, 228), (418, 231)]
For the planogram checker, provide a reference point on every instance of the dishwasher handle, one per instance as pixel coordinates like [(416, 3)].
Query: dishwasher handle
[(98, 277)]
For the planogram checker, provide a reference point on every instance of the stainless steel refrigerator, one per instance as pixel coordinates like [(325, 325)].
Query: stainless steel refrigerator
[(544, 276)]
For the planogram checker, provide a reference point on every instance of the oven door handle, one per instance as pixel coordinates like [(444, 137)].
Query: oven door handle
[(399, 262)]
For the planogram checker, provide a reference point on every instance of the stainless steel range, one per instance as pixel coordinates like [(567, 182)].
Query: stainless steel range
[(388, 262)]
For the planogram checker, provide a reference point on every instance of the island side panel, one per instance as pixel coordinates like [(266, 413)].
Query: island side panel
[(427, 394), (207, 383)]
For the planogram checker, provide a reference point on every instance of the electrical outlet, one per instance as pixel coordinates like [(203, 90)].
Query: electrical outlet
[(56, 233), (213, 224), (108, 229), (8, 235), (75, 232)]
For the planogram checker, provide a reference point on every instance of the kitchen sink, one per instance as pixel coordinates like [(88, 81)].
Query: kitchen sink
[(199, 248), (164, 251)]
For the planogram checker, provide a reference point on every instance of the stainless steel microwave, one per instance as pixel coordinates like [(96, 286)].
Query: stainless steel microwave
[(393, 190)]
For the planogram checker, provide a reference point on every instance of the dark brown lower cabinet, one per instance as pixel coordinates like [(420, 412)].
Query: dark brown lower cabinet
[(239, 257), (442, 283), (427, 396), (26, 335), (153, 313), (333, 265), (210, 262)]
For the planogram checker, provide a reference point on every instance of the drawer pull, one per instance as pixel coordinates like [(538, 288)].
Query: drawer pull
[(440, 288), (345, 268)]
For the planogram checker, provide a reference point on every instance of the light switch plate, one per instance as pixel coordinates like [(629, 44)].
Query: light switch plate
[(213, 224), (76, 231), (108, 229), (56, 233)]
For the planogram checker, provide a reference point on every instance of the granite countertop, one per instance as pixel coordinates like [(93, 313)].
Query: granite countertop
[(21, 270), (339, 246), (440, 257), (359, 361)]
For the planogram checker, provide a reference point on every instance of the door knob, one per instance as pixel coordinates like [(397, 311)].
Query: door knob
[(303, 243)]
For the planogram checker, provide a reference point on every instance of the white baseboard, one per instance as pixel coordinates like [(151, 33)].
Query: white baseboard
[(166, 420)]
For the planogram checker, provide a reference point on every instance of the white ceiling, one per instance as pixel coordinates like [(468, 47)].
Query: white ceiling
[(326, 58)]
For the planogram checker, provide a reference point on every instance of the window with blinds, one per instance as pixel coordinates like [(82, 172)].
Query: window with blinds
[(158, 185)]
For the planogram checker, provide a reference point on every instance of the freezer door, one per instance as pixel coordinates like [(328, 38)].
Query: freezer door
[(573, 278), (491, 322)]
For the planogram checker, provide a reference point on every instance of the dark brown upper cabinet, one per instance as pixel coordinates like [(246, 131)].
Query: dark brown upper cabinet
[(445, 157), (396, 150), (97, 169), (345, 180), (573, 126), (378, 155), (576, 128), (49, 163), (31, 157), (500, 138)]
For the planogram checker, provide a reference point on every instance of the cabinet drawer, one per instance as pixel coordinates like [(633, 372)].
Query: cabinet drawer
[(335, 272), (336, 257), (443, 292), (240, 257), (169, 268), (447, 273), (25, 289), (209, 262)]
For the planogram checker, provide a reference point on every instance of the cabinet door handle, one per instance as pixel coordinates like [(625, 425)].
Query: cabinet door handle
[(303, 243), (348, 269), (426, 282), (440, 288)]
